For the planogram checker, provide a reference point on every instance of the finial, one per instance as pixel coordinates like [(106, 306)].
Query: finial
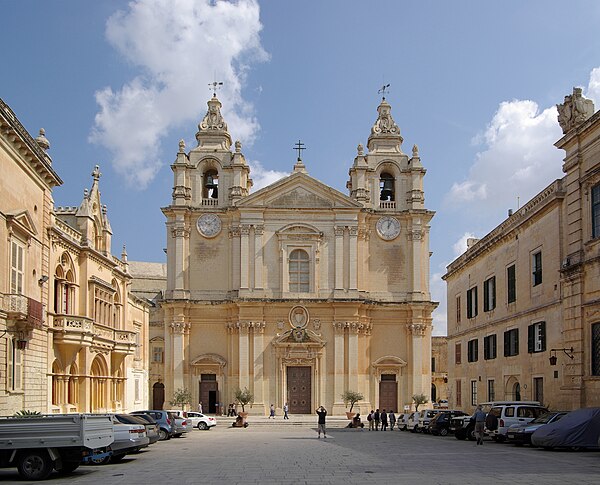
[(86, 194), (96, 173), (415, 151), (181, 146), (299, 146), (42, 141), (124, 254), (360, 149), (104, 210), (214, 86), (382, 90), (238, 146)]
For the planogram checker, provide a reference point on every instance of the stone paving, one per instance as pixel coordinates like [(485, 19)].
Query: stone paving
[(293, 455)]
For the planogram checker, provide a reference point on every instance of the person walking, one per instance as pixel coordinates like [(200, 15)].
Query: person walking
[(285, 411), (376, 418), (371, 421), (321, 412), (272, 412), (479, 417), (392, 418), (200, 407), (384, 420)]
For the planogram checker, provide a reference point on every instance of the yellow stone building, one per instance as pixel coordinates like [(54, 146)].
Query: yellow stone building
[(297, 291), (530, 289), (26, 182), (99, 350)]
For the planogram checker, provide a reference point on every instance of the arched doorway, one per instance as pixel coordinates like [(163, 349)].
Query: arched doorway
[(99, 394), (433, 393), (517, 391), (512, 390), (158, 395)]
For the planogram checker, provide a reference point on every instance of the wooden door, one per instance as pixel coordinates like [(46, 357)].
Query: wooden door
[(299, 390), (388, 395), (209, 395), (158, 395)]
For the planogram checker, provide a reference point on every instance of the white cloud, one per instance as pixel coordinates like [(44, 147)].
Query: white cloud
[(179, 46), (460, 246), (593, 90), (261, 177), (518, 159)]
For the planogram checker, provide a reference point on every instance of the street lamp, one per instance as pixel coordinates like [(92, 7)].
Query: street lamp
[(568, 353)]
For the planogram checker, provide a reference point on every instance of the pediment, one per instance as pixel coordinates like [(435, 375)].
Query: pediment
[(209, 359), (298, 337), (22, 220), (390, 361), (299, 191)]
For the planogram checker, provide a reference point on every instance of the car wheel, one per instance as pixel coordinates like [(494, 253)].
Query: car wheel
[(202, 425), (163, 435), (443, 432), (35, 465)]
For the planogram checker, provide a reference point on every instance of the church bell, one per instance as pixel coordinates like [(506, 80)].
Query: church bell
[(211, 187), (387, 191)]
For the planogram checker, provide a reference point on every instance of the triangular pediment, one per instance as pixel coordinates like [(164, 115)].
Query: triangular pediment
[(22, 220), (299, 191)]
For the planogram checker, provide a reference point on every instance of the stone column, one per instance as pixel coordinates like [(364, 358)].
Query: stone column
[(339, 257), (258, 256), (180, 235), (244, 355), (178, 329), (416, 238), (235, 263), (353, 331), (244, 255), (338, 369), (353, 284), (417, 332), (259, 374)]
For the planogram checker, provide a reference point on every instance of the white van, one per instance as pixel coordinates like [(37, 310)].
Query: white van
[(512, 412)]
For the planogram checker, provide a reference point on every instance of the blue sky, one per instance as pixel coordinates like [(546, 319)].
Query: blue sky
[(473, 83)]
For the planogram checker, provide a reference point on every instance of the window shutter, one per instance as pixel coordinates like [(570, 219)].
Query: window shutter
[(469, 304), (493, 292), (476, 350), (493, 347), (18, 369), (486, 295), (9, 364), (516, 352), (506, 343), (530, 338), (475, 297)]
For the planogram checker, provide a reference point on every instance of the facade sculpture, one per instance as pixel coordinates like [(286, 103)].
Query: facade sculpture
[(297, 291), (574, 111)]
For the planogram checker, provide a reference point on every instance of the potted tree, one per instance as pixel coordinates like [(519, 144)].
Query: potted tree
[(244, 397), (351, 397), (419, 399), (181, 397)]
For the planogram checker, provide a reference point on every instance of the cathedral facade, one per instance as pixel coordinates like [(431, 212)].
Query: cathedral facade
[(297, 291)]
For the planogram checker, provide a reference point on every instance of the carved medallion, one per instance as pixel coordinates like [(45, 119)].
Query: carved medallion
[(299, 317)]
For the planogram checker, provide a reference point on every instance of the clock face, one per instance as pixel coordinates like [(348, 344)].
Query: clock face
[(388, 228), (209, 225)]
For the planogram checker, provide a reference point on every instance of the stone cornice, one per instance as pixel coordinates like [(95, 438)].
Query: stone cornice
[(551, 193)]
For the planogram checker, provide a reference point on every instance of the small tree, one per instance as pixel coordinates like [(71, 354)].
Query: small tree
[(181, 397), (244, 397), (419, 399), (351, 397), (26, 413)]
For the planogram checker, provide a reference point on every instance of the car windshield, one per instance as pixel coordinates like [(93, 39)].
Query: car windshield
[(544, 418)]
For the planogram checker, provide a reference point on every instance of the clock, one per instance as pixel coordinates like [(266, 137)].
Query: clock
[(209, 225), (388, 228)]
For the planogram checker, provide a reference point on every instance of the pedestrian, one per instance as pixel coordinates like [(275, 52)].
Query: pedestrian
[(321, 412), (272, 412), (384, 420), (200, 407), (491, 421), (371, 421), (392, 418), (285, 411), (376, 417), (479, 417)]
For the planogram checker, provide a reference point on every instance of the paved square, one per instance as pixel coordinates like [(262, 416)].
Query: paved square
[(294, 455)]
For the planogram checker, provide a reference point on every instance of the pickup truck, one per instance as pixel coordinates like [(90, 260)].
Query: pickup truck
[(36, 445)]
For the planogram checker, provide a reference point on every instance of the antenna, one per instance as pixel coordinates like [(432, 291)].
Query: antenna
[(383, 90), (299, 146)]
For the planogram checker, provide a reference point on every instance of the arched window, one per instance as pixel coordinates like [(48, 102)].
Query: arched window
[(56, 383), (386, 187), (73, 392), (64, 286), (517, 391), (299, 271), (99, 395)]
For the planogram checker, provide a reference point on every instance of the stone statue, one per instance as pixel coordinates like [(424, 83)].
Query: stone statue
[(574, 111)]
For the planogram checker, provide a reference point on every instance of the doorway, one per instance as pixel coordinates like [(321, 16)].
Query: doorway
[(209, 393), (388, 392), (158, 395), (299, 390)]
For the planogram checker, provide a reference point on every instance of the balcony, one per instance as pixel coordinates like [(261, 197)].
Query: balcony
[(24, 311), (72, 329), (387, 204), (210, 202)]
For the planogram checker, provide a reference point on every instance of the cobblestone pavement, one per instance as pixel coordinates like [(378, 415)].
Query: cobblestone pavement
[(294, 455)]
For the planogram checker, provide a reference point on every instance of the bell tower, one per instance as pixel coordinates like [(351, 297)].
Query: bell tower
[(386, 178)]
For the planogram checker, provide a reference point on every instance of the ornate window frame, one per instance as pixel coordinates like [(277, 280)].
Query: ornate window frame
[(308, 239)]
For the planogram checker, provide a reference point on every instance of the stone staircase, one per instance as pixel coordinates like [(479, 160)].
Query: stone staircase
[(296, 420)]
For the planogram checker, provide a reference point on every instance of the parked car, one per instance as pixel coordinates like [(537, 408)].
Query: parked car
[(165, 422), (147, 421), (413, 422), (401, 421), (129, 438), (200, 420), (509, 413), (425, 417), (520, 434), (440, 423), (180, 413), (576, 430)]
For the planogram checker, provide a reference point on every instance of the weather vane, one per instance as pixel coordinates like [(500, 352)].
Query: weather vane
[(384, 89), (299, 146), (214, 86)]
